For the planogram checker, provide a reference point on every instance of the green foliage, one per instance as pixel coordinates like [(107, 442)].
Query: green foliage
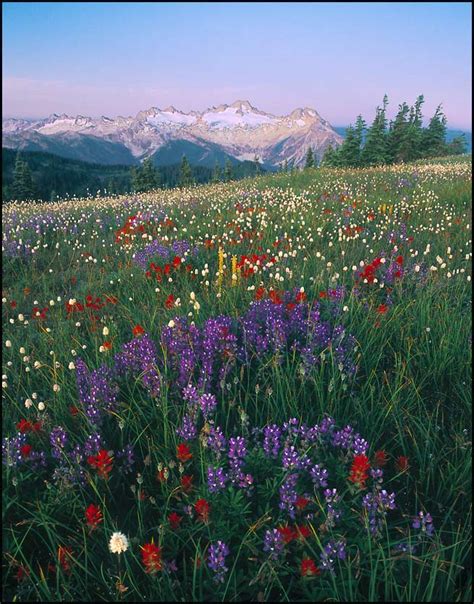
[(185, 174), (309, 162), (145, 178), (22, 187), (228, 171)]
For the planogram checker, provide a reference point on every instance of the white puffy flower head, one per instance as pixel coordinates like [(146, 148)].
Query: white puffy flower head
[(118, 543)]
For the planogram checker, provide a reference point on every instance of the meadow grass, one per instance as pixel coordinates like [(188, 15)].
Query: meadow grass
[(399, 375)]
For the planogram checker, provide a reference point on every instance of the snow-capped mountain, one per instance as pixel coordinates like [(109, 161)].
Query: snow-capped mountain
[(238, 130)]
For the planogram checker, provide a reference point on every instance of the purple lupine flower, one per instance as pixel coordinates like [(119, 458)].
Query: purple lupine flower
[(66, 476), (343, 438), (332, 550), (93, 445), (207, 404), (216, 440), (288, 494), (188, 430), (424, 522), (319, 476), (377, 505), (216, 479), (271, 441), (360, 446), (58, 439), (191, 395), (127, 458), (11, 450), (273, 543), (216, 560), (333, 513), (290, 458)]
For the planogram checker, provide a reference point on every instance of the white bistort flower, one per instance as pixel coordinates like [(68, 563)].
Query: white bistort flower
[(118, 543)]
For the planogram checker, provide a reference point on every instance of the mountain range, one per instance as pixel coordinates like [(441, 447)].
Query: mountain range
[(237, 132)]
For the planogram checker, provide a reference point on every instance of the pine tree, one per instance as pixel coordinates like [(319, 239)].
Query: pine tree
[(185, 173), (285, 166), (228, 171), (309, 163), (398, 138), (375, 148), (216, 175), (146, 177), (256, 161), (434, 139), (457, 146), (349, 152), (22, 188)]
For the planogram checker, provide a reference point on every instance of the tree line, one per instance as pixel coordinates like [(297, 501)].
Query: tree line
[(403, 140), (38, 175)]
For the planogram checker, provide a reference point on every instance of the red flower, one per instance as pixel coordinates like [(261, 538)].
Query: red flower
[(22, 573), (300, 297), (287, 533), (93, 516), (186, 483), (138, 330), (151, 557), (176, 261), (183, 453), (323, 295), (359, 470), (169, 301), (102, 462), (303, 531), (13, 304), (402, 464), (161, 476), (63, 554), (174, 519), (108, 345), (309, 568), (260, 292), (399, 260), (25, 450), (380, 458), (73, 410), (301, 503), (202, 508), (382, 309), (24, 426)]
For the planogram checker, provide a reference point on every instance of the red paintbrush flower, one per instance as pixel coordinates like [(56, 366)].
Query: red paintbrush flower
[(25, 451), (24, 426), (382, 309), (93, 516), (138, 330), (151, 557), (359, 470), (183, 453), (309, 568), (287, 533), (174, 519), (169, 301), (301, 503), (102, 462), (202, 508), (186, 483), (64, 554), (380, 459), (303, 531), (402, 464)]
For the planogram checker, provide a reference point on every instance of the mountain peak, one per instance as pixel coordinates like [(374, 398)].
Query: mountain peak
[(243, 106)]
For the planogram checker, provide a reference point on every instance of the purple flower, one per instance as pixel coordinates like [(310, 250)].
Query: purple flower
[(216, 441), (216, 560), (377, 504), (273, 543), (271, 441), (319, 476), (288, 494), (424, 522), (58, 439), (332, 551), (188, 429), (216, 479), (207, 404)]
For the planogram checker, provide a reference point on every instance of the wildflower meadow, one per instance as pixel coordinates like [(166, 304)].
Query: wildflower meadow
[(246, 391)]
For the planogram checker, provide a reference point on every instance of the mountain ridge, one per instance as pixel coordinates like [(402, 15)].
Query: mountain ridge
[(240, 130)]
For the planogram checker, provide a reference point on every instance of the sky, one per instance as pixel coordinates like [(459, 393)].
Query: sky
[(339, 58)]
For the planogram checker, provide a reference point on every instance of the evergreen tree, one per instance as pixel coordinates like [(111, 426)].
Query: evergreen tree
[(216, 175), (309, 163), (399, 135), (22, 187), (285, 166), (457, 146), (146, 177), (434, 140), (256, 161), (375, 148), (185, 174), (228, 172), (349, 152)]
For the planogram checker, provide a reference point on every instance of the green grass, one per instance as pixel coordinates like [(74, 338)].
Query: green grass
[(410, 395)]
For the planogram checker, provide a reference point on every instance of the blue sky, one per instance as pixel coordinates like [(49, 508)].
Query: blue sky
[(340, 58)]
